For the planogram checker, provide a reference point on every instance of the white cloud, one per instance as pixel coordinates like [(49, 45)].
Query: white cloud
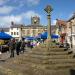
[(30, 14), (24, 2), (5, 21), (53, 22), (20, 2), (2, 2), (6, 9), (33, 2)]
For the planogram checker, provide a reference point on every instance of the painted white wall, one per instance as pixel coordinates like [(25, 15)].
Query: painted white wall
[(69, 32), (16, 30)]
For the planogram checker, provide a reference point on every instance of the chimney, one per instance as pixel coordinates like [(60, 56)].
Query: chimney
[(2, 30), (12, 23)]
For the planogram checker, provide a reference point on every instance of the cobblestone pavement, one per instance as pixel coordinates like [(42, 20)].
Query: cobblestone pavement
[(6, 62), (5, 56), (73, 49)]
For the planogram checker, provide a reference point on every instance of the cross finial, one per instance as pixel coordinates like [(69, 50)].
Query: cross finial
[(48, 9)]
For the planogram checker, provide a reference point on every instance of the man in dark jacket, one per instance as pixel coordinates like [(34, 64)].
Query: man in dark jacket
[(18, 45), (12, 47), (22, 45)]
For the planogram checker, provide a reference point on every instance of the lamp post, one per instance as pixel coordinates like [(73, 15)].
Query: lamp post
[(48, 10), (71, 34)]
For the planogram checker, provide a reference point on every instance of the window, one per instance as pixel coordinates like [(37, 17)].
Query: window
[(34, 32), (73, 29), (28, 32), (23, 31), (11, 33), (14, 33), (17, 33), (59, 28)]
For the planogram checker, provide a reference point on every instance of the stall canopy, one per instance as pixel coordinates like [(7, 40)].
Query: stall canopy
[(45, 34), (29, 38), (5, 36)]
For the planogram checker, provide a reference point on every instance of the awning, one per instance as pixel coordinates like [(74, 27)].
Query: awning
[(29, 38), (5, 36), (45, 34)]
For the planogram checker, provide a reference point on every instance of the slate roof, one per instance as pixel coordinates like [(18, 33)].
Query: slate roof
[(35, 26), (17, 26), (61, 22), (4, 29), (72, 17)]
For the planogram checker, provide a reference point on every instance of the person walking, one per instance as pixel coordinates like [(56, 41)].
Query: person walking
[(12, 47), (22, 46), (17, 47)]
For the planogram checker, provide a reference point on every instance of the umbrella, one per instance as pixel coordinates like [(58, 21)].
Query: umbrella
[(54, 36), (45, 34), (5, 36)]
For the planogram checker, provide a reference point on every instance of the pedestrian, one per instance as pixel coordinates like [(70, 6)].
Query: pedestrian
[(17, 47), (22, 45), (12, 47), (31, 44), (38, 43), (28, 44)]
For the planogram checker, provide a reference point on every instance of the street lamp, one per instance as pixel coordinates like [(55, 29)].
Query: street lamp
[(48, 10)]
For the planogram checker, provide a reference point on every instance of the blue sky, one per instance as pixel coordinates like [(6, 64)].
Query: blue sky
[(20, 11)]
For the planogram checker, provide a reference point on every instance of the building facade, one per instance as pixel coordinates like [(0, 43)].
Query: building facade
[(66, 30), (15, 30), (19, 31), (61, 27), (34, 28), (71, 31)]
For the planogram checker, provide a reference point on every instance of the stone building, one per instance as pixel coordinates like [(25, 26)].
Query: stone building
[(66, 29), (71, 30), (19, 30), (16, 31), (61, 27), (34, 28)]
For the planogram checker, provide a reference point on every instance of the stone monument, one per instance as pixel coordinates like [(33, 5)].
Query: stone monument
[(48, 10)]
